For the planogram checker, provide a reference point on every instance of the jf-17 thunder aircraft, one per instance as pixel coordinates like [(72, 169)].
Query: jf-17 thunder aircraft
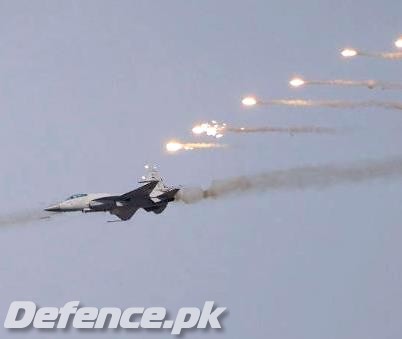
[(153, 196)]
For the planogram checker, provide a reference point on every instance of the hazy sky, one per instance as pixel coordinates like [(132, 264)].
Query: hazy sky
[(91, 90)]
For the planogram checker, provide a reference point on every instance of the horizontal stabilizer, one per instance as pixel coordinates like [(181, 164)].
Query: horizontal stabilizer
[(157, 209), (170, 195)]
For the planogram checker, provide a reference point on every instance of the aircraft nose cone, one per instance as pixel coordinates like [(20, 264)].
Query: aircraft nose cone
[(53, 208)]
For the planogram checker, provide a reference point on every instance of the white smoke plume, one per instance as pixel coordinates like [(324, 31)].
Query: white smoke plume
[(299, 178)]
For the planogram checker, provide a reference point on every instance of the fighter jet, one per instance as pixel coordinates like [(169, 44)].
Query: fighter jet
[(153, 196)]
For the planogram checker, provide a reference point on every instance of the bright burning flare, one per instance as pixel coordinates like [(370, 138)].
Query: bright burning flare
[(348, 52), (211, 129), (398, 43), (249, 101), (174, 146), (296, 82), (198, 129)]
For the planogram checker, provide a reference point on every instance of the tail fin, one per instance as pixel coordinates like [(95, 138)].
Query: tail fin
[(152, 174)]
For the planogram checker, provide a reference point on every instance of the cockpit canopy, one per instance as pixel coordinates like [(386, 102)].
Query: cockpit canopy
[(79, 195)]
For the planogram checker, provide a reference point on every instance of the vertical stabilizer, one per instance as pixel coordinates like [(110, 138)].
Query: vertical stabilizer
[(152, 174)]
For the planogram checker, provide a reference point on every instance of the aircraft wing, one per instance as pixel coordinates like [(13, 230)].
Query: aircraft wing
[(143, 191), (124, 213)]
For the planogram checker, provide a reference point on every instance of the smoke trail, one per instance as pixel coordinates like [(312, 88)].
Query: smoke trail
[(22, 217), (371, 84), (352, 52), (289, 130), (334, 103), (218, 130), (300, 178), (382, 55)]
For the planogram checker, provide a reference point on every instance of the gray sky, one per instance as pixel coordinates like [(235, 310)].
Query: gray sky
[(91, 90)]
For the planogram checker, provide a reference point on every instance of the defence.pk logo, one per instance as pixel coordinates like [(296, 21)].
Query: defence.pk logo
[(23, 314)]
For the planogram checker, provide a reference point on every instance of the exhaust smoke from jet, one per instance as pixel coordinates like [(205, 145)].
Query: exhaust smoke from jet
[(299, 178), (22, 217)]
